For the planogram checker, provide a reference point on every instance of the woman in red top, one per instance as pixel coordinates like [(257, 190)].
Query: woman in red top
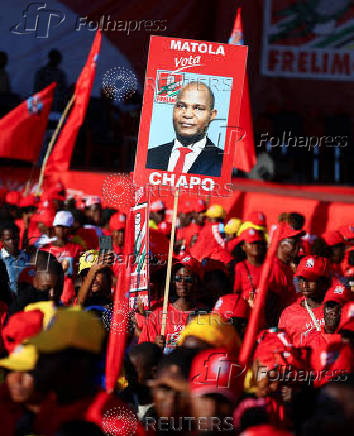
[(185, 277), (247, 273), (307, 312)]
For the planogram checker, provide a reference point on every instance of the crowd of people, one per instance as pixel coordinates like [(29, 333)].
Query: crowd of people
[(56, 298)]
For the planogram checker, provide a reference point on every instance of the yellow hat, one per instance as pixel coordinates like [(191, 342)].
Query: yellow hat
[(47, 307), (23, 358), (214, 330), (215, 211), (88, 259), (72, 328), (232, 226), (249, 225)]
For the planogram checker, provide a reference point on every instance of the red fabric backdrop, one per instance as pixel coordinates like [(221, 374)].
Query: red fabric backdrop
[(325, 207)]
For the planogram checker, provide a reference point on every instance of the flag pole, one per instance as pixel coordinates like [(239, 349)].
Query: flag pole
[(52, 141), (169, 265)]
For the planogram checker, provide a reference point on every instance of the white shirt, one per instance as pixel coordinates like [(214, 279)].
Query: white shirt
[(196, 148)]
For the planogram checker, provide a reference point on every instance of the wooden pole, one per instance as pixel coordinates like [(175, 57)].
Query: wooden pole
[(52, 141), (169, 266)]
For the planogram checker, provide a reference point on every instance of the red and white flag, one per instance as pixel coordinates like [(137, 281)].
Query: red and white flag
[(244, 157), (22, 130), (59, 160)]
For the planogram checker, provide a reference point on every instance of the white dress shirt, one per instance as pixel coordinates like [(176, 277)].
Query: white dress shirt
[(196, 148)]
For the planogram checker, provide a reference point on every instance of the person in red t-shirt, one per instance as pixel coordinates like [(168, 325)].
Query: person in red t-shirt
[(185, 280), (307, 312), (211, 242), (117, 226), (247, 273), (66, 252), (281, 289)]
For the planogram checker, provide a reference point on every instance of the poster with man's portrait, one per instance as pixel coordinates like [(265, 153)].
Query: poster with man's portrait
[(190, 114)]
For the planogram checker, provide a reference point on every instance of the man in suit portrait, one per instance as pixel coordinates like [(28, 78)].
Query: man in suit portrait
[(191, 151)]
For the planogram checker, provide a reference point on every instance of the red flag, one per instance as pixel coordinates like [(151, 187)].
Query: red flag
[(120, 316), (254, 323), (244, 158), (59, 160), (22, 129)]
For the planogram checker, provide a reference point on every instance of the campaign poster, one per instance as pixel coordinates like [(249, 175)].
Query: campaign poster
[(308, 39), (189, 123), (139, 281)]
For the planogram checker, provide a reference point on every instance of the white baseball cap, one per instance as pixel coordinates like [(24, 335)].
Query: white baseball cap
[(63, 218)]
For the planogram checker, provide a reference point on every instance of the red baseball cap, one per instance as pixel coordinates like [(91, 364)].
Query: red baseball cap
[(347, 314), (228, 306), (349, 272), (274, 348), (215, 372), (258, 218), (338, 293), (337, 356), (286, 231), (347, 231), (251, 235), (21, 326), (313, 267), (333, 237), (186, 206), (188, 262), (200, 206), (117, 221), (13, 197)]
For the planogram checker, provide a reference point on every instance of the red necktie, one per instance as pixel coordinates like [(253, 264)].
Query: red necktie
[(183, 151)]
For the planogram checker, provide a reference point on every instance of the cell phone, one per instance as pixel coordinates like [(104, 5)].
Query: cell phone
[(106, 242)]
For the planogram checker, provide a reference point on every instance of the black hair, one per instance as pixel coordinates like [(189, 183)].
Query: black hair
[(320, 248), (78, 216), (10, 227), (296, 220), (45, 261), (148, 352), (182, 357)]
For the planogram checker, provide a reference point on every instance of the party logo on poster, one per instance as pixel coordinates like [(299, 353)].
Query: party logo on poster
[(168, 86)]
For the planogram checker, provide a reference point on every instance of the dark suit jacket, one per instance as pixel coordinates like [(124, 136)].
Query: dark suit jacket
[(208, 163)]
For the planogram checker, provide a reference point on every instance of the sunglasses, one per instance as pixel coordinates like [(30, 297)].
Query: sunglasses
[(179, 279)]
